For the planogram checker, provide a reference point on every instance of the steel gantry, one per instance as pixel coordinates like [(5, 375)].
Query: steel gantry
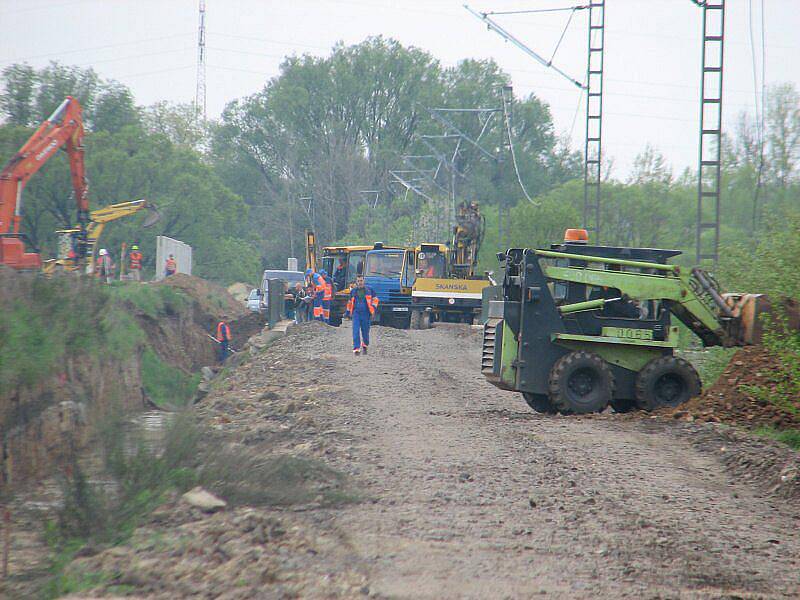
[(593, 147), (710, 145)]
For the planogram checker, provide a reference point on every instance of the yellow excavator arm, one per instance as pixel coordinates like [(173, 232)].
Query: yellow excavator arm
[(97, 221)]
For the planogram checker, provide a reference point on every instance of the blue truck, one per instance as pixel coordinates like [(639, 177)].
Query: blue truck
[(390, 273)]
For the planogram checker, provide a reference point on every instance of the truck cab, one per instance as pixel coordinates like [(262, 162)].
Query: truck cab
[(390, 273), (440, 292), (343, 264)]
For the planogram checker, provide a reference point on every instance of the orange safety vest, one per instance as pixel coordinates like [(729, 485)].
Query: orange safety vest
[(172, 265), (328, 290), (372, 303), (223, 332), (136, 260)]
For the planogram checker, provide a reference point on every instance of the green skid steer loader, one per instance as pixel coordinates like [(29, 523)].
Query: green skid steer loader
[(577, 328)]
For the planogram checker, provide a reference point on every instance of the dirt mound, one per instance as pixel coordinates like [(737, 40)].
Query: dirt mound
[(212, 299), (732, 400), (240, 291)]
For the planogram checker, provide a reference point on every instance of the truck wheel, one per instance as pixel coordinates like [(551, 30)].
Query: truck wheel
[(426, 321), (666, 381), (416, 320), (623, 405), (581, 382), (540, 403)]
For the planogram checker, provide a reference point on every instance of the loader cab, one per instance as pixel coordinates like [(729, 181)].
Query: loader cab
[(619, 311)]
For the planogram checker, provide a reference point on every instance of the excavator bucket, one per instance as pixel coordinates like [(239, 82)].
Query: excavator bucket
[(153, 217), (746, 327)]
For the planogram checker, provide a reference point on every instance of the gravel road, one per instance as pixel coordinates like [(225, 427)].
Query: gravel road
[(462, 491), (475, 496)]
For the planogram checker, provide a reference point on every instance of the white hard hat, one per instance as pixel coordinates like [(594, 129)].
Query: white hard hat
[(103, 252)]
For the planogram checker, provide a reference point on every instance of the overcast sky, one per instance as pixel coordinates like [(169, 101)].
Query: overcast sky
[(652, 52)]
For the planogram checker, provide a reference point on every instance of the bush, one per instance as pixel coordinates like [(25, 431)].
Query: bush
[(167, 386), (783, 382), (790, 437), (153, 300), (31, 347)]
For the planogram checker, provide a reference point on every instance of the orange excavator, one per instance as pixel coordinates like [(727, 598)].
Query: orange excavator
[(64, 129)]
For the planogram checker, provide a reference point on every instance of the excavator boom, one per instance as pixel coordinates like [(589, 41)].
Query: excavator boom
[(63, 129)]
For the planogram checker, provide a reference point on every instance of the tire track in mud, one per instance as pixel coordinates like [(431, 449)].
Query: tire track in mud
[(473, 495)]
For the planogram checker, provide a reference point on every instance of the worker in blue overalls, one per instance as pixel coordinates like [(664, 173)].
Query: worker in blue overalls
[(361, 306)]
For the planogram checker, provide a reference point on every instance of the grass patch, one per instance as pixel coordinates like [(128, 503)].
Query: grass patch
[(167, 386), (246, 478), (710, 363), (41, 319), (123, 334), (790, 437), (74, 581), (152, 300), (93, 515)]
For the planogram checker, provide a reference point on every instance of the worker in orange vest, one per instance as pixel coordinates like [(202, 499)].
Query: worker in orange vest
[(136, 263), (327, 296), (318, 283), (223, 338), (171, 267)]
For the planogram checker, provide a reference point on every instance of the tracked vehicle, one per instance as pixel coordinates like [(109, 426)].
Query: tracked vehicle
[(577, 327)]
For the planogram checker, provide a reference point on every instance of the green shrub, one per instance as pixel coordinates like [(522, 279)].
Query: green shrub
[(43, 321), (782, 387), (152, 300), (167, 386), (790, 437)]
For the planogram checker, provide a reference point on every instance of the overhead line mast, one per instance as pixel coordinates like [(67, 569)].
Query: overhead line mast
[(710, 150), (200, 91)]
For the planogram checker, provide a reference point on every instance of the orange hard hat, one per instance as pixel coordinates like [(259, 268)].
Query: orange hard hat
[(580, 236)]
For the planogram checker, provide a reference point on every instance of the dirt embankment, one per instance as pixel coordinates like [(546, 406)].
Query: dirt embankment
[(73, 351), (734, 398)]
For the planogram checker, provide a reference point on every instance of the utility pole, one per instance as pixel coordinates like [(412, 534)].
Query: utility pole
[(200, 90)]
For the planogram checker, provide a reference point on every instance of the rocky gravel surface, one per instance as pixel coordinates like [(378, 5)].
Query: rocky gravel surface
[(455, 489)]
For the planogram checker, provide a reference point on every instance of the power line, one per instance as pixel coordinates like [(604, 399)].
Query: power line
[(507, 119), (537, 10), (93, 48), (268, 40)]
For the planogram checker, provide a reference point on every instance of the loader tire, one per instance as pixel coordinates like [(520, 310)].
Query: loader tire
[(416, 320), (581, 382), (540, 403), (666, 381)]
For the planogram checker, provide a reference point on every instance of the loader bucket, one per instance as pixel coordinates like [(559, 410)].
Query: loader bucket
[(153, 217), (747, 328)]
